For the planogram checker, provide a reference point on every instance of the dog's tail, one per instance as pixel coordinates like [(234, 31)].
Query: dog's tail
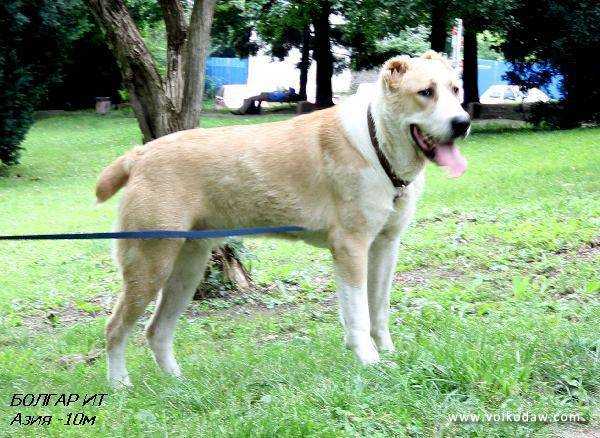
[(116, 175)]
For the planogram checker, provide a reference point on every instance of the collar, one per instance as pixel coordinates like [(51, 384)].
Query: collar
[(387, 167)]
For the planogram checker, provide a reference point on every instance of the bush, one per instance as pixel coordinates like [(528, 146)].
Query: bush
[(31, 35), (16, 109), (555, 115)]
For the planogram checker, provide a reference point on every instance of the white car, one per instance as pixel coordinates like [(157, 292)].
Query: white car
[(512, 94)]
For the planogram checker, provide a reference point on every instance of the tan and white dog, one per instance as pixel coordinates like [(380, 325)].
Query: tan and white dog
[(319, 171)]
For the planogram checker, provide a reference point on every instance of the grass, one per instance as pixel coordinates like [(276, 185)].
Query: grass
[(496, 304)]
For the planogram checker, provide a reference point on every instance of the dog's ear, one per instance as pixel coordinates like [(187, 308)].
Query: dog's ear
[(430, 54), (394, 69)]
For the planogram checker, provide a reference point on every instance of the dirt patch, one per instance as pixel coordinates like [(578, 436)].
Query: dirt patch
[(236, 304), (69, 315), (422, 276), (590, 251), (572, 431)]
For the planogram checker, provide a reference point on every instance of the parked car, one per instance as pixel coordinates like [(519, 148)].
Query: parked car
[(500, 93)]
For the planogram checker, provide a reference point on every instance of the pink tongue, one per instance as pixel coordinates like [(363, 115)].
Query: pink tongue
[(448, 155)]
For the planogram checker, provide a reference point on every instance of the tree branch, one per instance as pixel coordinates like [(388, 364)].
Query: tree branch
[(195, 61), (176, 28), (175, 22)]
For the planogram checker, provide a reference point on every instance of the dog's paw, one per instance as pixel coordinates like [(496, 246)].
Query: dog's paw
[(171, 368), (384, 343), (120, 382), (367, 355)]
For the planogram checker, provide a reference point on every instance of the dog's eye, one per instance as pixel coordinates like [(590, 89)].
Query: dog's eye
[(455, 90), (427, 92)]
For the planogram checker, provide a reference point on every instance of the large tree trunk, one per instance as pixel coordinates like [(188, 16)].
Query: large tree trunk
[(143, 80), (470, 78), (169, 105), (304, 63), (439, 26), (323, 54), (571, 86), (163, 106)]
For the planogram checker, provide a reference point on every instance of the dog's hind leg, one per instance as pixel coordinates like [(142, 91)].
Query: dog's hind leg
[(175, 296), (146, 265)]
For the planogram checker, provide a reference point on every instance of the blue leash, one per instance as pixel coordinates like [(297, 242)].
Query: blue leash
[(157, 234)]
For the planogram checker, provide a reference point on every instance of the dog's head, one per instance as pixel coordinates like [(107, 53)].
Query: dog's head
[(421, 97)]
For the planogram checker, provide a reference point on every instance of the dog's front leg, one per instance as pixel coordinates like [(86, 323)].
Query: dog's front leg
[(350, 255), (382, 262)]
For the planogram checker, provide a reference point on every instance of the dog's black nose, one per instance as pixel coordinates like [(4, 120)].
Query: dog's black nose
[(460, 125)]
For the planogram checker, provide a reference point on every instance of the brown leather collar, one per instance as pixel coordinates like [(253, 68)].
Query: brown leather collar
[(397, 182)]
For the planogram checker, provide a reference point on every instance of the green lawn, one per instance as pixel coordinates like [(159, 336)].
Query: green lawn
[(496, 305)]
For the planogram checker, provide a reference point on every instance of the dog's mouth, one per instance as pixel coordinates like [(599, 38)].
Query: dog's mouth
[(445, 154)]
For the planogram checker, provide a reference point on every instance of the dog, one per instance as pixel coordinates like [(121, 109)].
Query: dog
[(349, 175)]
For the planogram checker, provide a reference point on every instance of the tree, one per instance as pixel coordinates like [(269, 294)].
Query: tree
[(88, 68), (550, 36), (285, 26), (173, 103), (235, 22), (161, 105), (439, 25), (321, 11), (477, 15), (33, 35), (470, 76), (375, 30)]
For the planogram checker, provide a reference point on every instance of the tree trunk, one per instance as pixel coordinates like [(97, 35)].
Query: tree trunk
[(163, 106), (323, 54), (139, 71), (470, 79), (196, 51), (304, 63), (572, 110), (176, 27), (439, 26)]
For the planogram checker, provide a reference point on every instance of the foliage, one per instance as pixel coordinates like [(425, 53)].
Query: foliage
[(233, 22), (374, 28), (372, 24), (232, 28), (483, 14), (155, 37), (553, 115), (145, 13), (88, 69), (564, 36), (488, 46), (281, 26), (495, 308), (411, 41), (32, 36)]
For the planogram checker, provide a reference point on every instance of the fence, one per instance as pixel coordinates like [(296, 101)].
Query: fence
[(225, 71)]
